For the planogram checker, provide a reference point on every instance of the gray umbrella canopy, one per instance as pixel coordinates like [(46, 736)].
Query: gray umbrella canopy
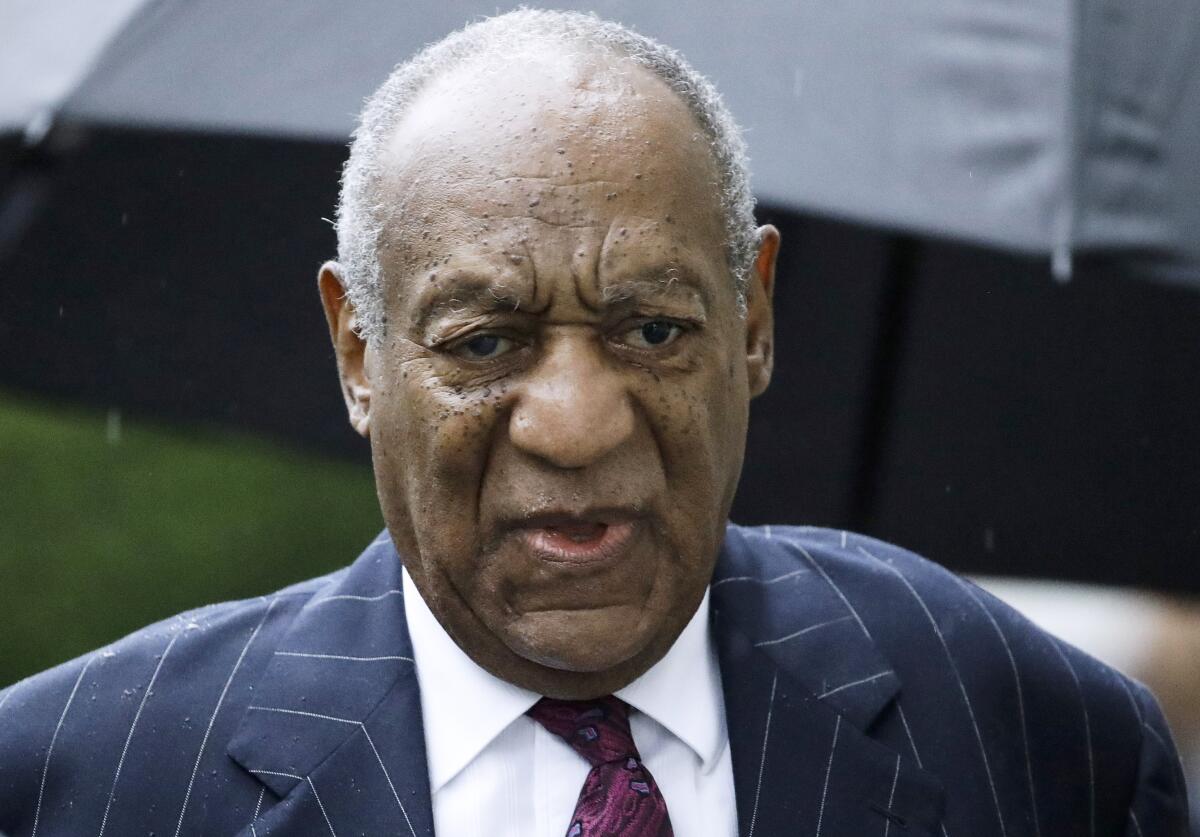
[(1046, 126), (49, 48)]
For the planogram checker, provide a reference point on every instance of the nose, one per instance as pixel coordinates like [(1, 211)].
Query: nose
[(572, 409)]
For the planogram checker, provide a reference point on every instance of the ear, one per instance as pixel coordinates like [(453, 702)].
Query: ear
[(760, 318), (348, 346)]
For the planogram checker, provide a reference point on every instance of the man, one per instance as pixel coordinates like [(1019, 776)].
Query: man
[(550, 311)]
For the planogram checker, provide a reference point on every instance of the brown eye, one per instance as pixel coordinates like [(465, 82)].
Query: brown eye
[(653, 334), (484, 347)]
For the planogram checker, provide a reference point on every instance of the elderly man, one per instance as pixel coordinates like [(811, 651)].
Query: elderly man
[(550, 312)]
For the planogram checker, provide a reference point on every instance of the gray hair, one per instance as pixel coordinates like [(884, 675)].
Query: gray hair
[(361, 213)]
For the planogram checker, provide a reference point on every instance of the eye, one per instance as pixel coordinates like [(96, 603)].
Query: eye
[(484, 347), (653, 334)]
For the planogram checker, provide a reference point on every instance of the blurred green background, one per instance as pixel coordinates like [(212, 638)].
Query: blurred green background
[(108, 523)]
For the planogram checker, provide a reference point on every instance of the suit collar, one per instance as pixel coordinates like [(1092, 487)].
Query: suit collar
[(780, 598), (339, 703), (803, 681)]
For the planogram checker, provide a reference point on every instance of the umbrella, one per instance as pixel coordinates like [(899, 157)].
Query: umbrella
[(50, 48), (1047, 126), (939, 170)]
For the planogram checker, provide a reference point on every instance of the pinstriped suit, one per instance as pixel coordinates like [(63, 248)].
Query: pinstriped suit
[(868, 692)]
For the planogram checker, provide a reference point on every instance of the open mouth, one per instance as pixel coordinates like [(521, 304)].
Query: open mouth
[(579, 541)]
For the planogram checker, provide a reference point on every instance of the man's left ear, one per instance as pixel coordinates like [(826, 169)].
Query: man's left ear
[(760, 318)]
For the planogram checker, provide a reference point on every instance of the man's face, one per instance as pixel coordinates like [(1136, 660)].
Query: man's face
[(557, 409)]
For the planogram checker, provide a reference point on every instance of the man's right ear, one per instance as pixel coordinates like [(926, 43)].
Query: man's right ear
[(348, 346)]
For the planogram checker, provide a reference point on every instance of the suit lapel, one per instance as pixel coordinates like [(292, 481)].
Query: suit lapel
[(335, 727), (802, 682)]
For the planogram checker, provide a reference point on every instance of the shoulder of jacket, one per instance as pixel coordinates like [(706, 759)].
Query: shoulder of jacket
[(900, 595), (103, 688), (214, 619)]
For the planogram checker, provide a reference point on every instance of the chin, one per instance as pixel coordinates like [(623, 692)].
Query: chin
[(581, 641)]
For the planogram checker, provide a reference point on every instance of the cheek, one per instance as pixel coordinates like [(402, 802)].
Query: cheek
[(431, 444), (700, 418), (699, 421)]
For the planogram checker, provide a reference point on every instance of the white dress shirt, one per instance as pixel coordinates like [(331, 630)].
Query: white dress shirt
[(495, 771)]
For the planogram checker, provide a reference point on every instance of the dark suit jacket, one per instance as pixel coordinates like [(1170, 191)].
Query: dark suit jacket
[(868, 692)]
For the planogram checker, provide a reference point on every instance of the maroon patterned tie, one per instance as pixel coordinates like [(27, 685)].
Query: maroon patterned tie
[(619, 798)]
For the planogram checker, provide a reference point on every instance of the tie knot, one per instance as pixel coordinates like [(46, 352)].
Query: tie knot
[(596, 729)]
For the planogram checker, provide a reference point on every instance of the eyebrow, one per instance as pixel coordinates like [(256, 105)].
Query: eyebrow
[(480, 296), (467, 292), (671, 281)]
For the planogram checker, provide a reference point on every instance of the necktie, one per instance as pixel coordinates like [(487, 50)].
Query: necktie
[(619, 798)]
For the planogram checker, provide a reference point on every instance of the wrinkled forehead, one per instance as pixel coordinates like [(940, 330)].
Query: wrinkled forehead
[(572, 120), (547, 166)]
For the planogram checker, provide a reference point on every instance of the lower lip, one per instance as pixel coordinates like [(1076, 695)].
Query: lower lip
[(552, 545)]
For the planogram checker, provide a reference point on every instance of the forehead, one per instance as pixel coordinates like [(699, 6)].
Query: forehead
[(566, 152), (515, 110)]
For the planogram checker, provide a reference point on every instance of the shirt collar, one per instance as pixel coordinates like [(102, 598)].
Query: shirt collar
[(689, 667), (465, 707)]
